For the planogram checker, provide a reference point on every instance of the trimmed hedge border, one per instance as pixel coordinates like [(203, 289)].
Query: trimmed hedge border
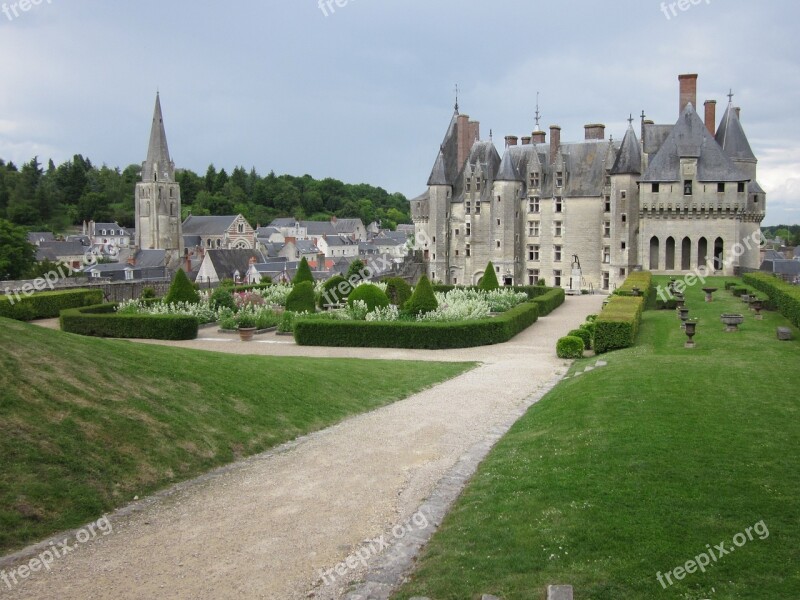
[(102, 321), (642, 280), (47, 305), (786, 297), (618, 323), (414, 334)]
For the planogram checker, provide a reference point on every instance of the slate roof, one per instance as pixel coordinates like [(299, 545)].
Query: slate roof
[(446, 168), (629, 157), (690, 138), (731, 137), (306, 247), (785, 266), (655, 136), (284, 222), (65, 248), (151, 258), (338, 241), (110, 228), (194, 225), (157, 150), (266, 232), (226, 262), (36, 237)]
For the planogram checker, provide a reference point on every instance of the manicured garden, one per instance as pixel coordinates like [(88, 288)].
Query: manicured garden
[(87, 424), (633, 469)]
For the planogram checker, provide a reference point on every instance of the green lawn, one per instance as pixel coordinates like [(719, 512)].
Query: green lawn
[(87, 424), (634, 469)]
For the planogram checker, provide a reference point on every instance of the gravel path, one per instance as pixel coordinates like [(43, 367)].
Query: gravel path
[(271, 526)]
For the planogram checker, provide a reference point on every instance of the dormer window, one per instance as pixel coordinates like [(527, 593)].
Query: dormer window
[(687, 187), (560, 179), (478, 185), (469, 185), (559, 204), (534, 180)]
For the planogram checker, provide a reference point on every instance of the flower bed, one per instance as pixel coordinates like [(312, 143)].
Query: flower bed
[(105, 321)]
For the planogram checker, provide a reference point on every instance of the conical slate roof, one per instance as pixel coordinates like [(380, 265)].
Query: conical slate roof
[(446, 167), (508, 167), (629, 157), (731, 137), (690, 139), (158, 151)]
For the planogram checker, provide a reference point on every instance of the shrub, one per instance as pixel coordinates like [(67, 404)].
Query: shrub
[(355, 271), (266, 280), (46, 305), (784, 296), (369, 294), (303, 273), (148, 293), (398, 291), (550, 300), (584, 334), (422, 300), (181, 290), (302, 298), (489, 280), (618, 324), (416, 334), (570, 347), (335, 291), (740, 291), (103, 321), (670, 304), (222, 298)]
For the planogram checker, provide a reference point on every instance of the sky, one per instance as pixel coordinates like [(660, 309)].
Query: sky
[(363, 90)]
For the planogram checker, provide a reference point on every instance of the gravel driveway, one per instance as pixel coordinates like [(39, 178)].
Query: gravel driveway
[(271, 526)]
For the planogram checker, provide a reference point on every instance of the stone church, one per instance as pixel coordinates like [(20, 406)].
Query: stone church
[(158, 198), (672, 198)]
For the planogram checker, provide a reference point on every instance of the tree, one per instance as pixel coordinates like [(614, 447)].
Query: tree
[(17, 256), (423, 299), (354, 271), (303, 273), (181, 290), (301, 298), (489, 280), (371, 295)]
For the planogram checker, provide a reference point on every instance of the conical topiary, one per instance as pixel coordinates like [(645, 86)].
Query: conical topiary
[(422, 300), (303, 273), (489, 281), (181, 290)]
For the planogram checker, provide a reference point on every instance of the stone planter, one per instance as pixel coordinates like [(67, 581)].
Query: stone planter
[(709, 294), (745, 298), (758, 306), (246, 333), (691, 329), (683, 314), (732, 322)]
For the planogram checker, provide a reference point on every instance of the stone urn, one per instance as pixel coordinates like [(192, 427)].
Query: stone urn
[(246, 333), (690, 328), (758, 306), (680, 301), (709, 293), (636, 291), (683, 314), (731, 322)]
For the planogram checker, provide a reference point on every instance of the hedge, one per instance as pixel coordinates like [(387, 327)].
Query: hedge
[(618, 323), (550, 300), (583, 334), (570, 347), (103, 321), (47, 305), (415, 334), (642, 280), (784, 296)]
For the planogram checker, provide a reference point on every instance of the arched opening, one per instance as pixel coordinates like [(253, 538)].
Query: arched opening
[(686, 254), (702, 252), (655, 247), (670, 258), (719, 251)]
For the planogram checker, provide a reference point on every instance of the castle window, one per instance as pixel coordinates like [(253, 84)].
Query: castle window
[(556, 253), (533, 276), (656, 187), (469, 186), (533, 229), (624, 218), (559, 204), (498, 199), (557, 228), (623, 246), (535, 180), (607, 206), (171, 209), (557, 278), (477, 207), (687, 187), (622, 272), (468, 250), (623, 194), (533, 205), (498, 222), (606, 280), (755, 198), (497, 269), (456, 232), (456, 252), (468, 232), (607, 229), (741, 187), (478, 185), (533, 253), (721, 188), (606, 255), (434, 239), (497, 243), (468, 207), (560, 179), (171, 192)]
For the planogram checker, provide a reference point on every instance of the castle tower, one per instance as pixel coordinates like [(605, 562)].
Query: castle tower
[(158, 197)]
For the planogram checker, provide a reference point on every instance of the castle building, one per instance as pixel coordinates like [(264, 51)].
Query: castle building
[(673, 199), (158, 197)]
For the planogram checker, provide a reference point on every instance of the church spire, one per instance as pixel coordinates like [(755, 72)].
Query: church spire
[(158, 166)]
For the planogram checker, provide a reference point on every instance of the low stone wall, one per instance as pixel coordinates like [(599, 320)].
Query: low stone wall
[(113, 291)]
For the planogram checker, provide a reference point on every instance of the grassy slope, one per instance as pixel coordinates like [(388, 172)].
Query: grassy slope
[(87, 424), (634, 468)]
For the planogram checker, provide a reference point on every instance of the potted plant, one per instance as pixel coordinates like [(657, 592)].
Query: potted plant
[(246, 325)]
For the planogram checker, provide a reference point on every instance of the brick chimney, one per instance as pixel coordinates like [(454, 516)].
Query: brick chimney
[(526, 140), (595, 131), (188, 265), (555, 142), (539, 137), (711, 115), (688, 84), (511, 140), (132, 260)]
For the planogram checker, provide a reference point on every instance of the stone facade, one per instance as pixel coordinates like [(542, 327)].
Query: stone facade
[(672, 199)]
